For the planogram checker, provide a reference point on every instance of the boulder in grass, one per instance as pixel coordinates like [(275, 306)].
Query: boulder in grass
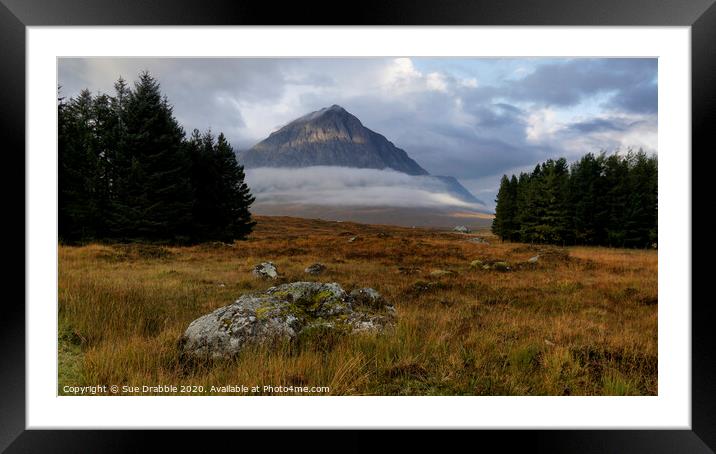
[(316, 268), (501, 266), (461, 229), (285, 313), (265, 270)]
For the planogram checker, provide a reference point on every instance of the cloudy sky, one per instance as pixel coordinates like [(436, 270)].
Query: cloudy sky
[(472, 118)]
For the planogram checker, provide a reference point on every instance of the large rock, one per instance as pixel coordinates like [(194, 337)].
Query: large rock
[(283, 314), (462, 229), (265, 270)]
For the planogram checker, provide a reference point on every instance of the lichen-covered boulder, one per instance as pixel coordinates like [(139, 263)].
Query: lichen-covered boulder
[(265, 270), (462, 229), (283, 314), (316, 268)]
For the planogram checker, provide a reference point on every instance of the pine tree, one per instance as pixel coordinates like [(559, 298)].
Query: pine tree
[(640, 223), (79, 173), (504, 224), (154, 190), (500, 221), (599, 200), (584, 187), (236, 196), (554, 219)]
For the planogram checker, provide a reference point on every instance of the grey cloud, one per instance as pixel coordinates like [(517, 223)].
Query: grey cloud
[(642, 98), (598, 124), (205, 93), (568, 83)]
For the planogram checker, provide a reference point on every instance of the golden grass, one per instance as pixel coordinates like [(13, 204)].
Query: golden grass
[(582, 322)]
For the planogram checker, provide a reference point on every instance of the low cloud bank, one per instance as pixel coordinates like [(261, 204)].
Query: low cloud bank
[(343, 186)]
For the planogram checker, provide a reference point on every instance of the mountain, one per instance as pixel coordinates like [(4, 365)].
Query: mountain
[(458, 189), (329, 137), (333, 138)]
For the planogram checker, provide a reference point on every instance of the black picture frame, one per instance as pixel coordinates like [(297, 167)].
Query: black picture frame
[(16, 15)]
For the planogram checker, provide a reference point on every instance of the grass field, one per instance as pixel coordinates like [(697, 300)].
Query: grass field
[(583, 321)]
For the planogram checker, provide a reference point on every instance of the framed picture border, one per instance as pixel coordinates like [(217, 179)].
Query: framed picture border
[(15, 15)]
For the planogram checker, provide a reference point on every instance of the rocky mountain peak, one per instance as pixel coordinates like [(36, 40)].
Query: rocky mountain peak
[(331, 136)]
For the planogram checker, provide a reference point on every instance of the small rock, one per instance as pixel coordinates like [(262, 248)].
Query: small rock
[(476, 264), (501, 266), (548, 342), (408, 269), (352, 239), (370, 298), (462, 229), (222, 285), (440, 273), (316, 268), (533, 259), (265, 270), (478, 240), (420, 287)]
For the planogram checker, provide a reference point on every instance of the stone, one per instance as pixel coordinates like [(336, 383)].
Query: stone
[(462, 229), (352, 239), (534, 259), (266, 270), (440, 273), (501, 266), (316, 268), (476, 264), (478, 240), (283, 314)]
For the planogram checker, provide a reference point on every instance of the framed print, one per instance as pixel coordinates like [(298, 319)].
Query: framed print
[(422, 217)]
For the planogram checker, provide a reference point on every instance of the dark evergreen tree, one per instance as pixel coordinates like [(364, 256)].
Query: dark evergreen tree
[(154, 194), (80, 168), (126, 172), (504, 224), (554, 218), (584, 187), (601, 200), (532, 205), (640, 222), (235, 218)]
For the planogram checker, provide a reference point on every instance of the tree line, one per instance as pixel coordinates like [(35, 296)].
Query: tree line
[(607, 200), (128, 172)]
